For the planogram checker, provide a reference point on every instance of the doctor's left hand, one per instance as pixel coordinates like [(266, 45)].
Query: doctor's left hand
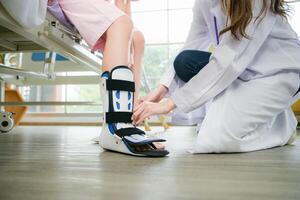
[(147, 109)]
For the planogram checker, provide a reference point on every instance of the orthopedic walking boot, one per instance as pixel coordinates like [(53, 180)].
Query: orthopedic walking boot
[(118, 133)]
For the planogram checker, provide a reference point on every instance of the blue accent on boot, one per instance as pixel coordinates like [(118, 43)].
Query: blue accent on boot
[(105, 75), (129, 106), (129, 95), (114, 127), (118, 94), (111, 128), (118, 106)]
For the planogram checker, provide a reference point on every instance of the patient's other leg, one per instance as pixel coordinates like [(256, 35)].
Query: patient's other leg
[(138, 45)]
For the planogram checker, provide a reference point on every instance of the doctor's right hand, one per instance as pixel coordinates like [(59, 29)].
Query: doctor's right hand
[(156, 95), (147, 109)]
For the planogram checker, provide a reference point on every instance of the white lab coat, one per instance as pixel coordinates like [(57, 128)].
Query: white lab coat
[(250, 84)]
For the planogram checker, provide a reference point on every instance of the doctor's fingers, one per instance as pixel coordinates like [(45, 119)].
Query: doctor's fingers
[(138, 107), (137, 102), (144, 112), (137, 113), (143, 105), (144, 115)]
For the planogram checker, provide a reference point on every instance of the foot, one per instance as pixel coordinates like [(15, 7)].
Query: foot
[(118, 133), (159, 145)]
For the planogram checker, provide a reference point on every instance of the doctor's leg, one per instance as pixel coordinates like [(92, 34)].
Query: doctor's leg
[(189, 62), (250, 115)]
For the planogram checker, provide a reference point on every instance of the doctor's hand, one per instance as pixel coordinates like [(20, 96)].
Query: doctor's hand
[(147, 109), (156, 95)]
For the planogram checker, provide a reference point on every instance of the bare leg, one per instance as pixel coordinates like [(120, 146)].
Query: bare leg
[(116, 52), (117, 45), (138, 45)]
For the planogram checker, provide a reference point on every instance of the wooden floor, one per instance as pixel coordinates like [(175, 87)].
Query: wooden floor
[(40, 163)]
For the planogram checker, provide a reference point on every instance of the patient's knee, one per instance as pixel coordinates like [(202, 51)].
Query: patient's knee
[(123, 24), (139, 39)]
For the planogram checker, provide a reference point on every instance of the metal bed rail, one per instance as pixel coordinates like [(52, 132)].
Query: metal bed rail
[(51, 103), (50, 36)]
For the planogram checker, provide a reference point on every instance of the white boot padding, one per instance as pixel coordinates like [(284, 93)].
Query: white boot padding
[(118, 133)]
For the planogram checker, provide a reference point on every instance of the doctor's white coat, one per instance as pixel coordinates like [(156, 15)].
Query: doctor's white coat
[(249, 83)]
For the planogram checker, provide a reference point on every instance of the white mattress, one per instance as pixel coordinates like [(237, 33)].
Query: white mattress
[(28, 13)]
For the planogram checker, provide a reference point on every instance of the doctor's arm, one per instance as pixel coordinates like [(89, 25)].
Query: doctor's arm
[(228, 62), (198, 38)]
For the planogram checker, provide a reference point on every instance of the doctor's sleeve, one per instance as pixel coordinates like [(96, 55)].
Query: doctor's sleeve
[(198, 39), (228, 62)]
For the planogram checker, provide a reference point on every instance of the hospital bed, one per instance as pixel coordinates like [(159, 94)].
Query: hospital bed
[(52, 38)]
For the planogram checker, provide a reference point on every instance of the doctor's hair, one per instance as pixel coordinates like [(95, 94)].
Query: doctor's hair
[(240, 14)]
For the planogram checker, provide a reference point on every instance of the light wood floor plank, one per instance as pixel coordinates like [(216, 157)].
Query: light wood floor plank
[(40, 163)]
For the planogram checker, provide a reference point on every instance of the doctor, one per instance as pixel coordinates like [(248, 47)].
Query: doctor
[(248, 84)]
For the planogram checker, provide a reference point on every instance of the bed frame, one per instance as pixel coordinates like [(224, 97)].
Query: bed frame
[(52, 37)]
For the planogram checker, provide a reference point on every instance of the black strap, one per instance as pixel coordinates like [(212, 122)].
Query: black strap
[(128, 131), (120, 85), (118, 117)]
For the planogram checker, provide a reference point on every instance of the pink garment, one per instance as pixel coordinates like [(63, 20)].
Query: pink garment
[(57, 12), (91, 18)]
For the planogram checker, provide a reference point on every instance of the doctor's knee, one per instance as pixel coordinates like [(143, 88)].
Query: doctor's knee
[(180, 66), (189, 62), (220, 138)]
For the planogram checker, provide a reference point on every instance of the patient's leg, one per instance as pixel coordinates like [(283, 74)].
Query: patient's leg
[(116, 49), (138, 45), (118, 84)]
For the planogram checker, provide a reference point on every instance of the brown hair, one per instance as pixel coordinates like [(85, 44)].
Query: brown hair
[(239, 13)]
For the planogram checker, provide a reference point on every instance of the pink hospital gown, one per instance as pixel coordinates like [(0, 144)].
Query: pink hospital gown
[(91, 18)]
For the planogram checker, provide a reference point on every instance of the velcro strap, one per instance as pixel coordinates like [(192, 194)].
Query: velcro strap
[(128, 131), (118, 117), (120, 85)]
